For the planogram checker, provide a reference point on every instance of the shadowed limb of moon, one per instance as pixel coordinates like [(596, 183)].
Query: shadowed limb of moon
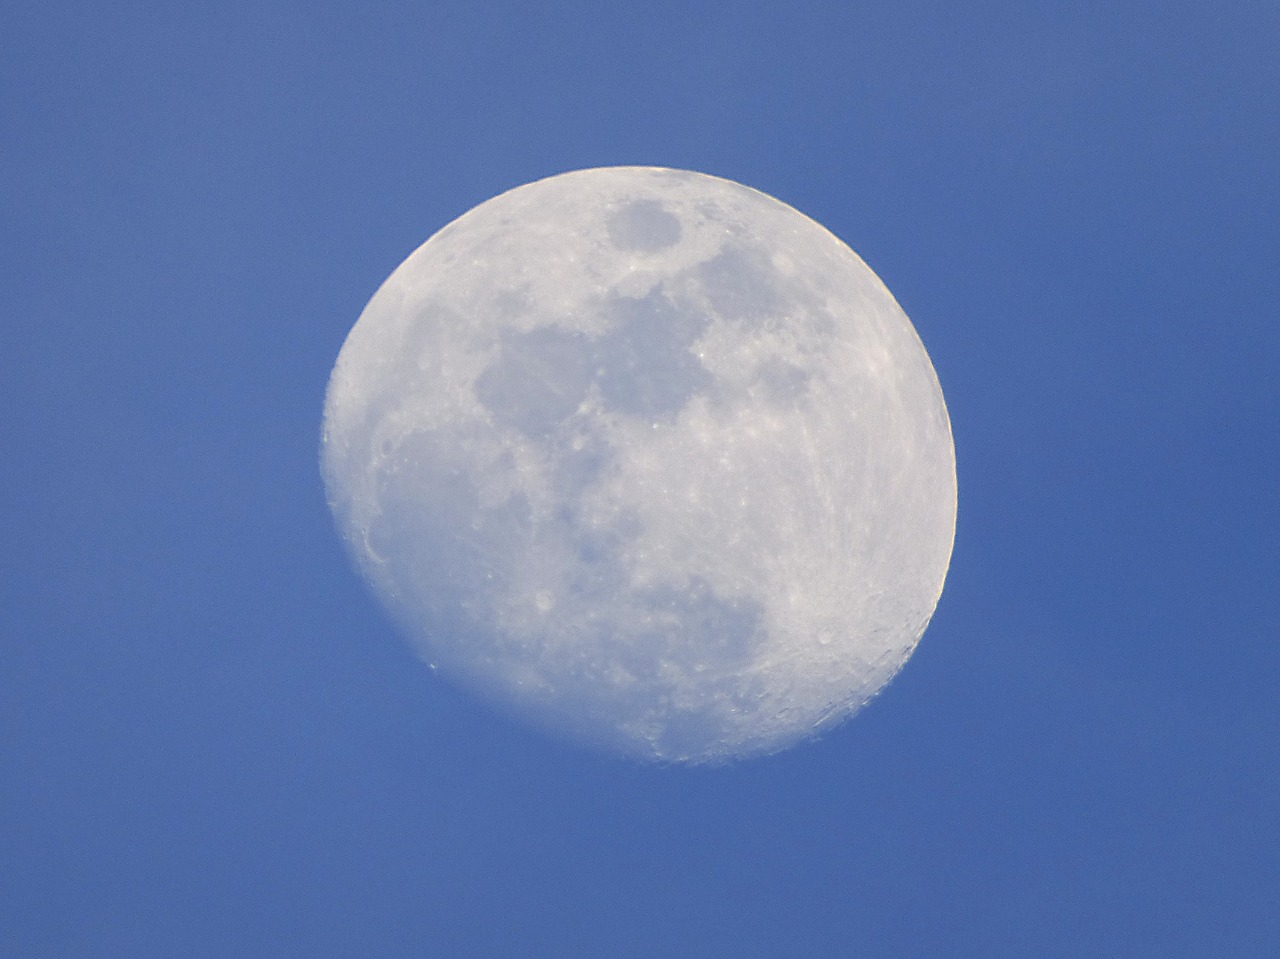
[(647, 457)]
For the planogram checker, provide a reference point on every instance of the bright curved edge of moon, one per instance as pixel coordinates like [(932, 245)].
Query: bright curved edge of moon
[(649, 458)]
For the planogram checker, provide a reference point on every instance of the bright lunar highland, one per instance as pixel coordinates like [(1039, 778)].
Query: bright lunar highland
[(649, 457)]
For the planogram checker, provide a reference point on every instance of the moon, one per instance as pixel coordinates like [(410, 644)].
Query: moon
[(649, 458)]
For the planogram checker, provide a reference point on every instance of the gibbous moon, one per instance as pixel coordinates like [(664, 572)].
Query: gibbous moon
[(649, 458)]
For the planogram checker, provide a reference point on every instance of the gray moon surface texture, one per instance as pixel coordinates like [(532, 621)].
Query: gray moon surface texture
[(649, 458)]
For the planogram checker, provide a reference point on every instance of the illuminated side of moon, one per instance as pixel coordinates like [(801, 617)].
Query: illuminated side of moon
[(649, 457)]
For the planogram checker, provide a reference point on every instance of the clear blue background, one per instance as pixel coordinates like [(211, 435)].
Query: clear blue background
[(213, 744)]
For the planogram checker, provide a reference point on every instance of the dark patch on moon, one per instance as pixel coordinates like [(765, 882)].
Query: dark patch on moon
[(781, 383), (642, 367), (644, 226), (539, 380), (645, 366), (726, 629), (742, 285)]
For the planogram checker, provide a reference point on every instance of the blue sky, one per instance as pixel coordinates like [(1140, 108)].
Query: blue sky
[(212, 742)]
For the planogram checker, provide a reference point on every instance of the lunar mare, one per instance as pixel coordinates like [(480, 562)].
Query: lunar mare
[(648, 457)]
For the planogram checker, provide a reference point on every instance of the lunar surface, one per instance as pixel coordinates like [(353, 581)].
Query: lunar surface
[(649, 458)]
